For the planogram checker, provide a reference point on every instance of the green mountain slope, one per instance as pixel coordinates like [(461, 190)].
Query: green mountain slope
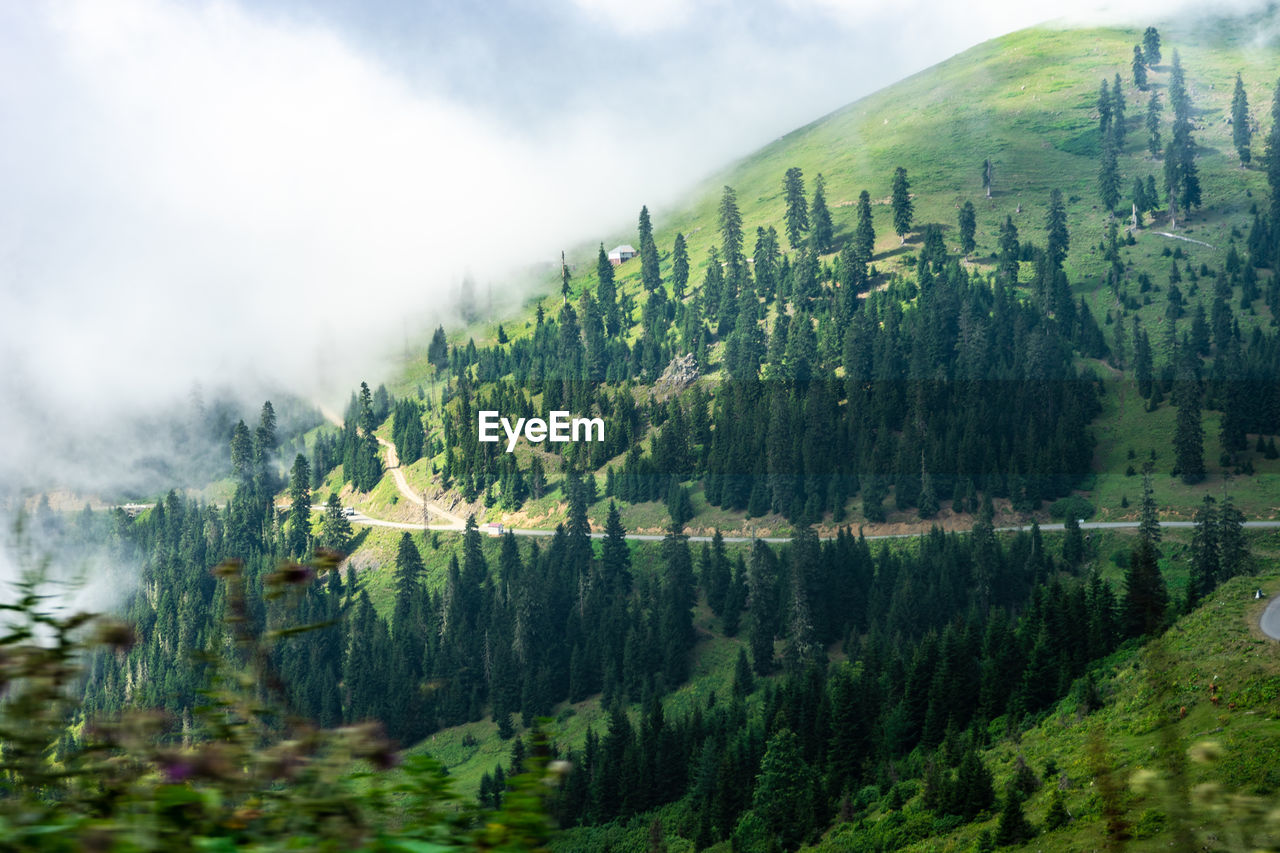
[(1028, 102), (1186, 733)]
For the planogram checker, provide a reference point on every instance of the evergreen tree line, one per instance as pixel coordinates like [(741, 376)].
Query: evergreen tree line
[(967, 387), (970, 636)]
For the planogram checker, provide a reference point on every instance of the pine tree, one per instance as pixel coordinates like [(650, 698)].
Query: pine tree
[(1109, 173), (1117, 113), (300, 507), (986, 176), (1204, 552), (1143, 368), (1235, 402), (679, 267), (242, 452), (968, 226), (1007, 262), (797, 212), (1146, 597), (901, 203), (973, 793), (648, 253), (1241, 132), (615, 557), (1013, 827), (1151, 46), (713, 283), (565, 279), (1139, 69), (820, 218), (408, 580), (438, 349), (1153, 124), (1057, 816), (607, 294), (1181, 177), (1056, 226), (743, 680), (781, 797), (864, 236), (1233, 549), (1105, 114), (731, 233), (336, 531), (1188, 437), (1140, 202)]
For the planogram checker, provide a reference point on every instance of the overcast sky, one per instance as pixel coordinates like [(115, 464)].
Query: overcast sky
[(267, 192)]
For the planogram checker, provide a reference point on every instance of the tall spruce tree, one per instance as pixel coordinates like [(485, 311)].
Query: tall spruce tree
[(1181, 176), (1139, 69), (968, 227), (1105, 113), (1153, 124), (300, 507), (821, 232), (1109, 172), (1204, 552), (797, 216), (1146, 596), (1117, 112), (1058, 240), (1241, 132), (1143, 368), (679, 267), (336, 530), (649, 272), (1007, 261), (864, 236), (1013, 827), (438, 349), (1233, 548), (902, 208), (607, 294), (781, 797), (1188, 436), (731, 245), (1151, 46), (565, 278)]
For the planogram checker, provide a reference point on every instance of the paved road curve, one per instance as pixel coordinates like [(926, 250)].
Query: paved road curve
[(1271, 619)]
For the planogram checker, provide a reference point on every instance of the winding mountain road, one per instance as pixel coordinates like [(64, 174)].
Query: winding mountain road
[(397, 474), (456, 523), (361, 518), (1269, 622)]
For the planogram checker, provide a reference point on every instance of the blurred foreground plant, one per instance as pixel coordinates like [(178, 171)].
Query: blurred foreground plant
[(251, 774)]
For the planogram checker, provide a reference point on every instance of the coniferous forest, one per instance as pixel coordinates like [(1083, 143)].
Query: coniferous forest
[(808, 592)]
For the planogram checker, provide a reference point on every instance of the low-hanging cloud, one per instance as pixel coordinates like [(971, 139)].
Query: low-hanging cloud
[(269, 195), (193, 193)]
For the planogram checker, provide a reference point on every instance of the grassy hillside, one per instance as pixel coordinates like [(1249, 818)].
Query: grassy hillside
[(1178, 759), (1027, 101), (1159, 711)]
